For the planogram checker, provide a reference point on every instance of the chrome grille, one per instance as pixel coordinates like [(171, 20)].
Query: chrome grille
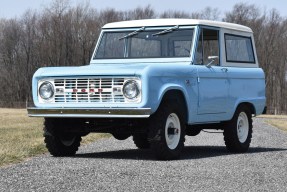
[(96, 90)]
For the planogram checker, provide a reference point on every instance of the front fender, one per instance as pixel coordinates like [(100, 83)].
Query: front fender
[(171, 87), (159, 89)]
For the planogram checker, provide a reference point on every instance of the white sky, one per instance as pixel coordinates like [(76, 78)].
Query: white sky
[(15, 8)]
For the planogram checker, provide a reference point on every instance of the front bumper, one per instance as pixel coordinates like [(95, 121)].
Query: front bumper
[(90, 112)]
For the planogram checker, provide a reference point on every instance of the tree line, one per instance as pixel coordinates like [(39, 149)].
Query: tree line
[(64, 35)]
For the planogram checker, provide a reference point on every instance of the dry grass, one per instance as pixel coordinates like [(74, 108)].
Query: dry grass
[(22, 137), (279, 121), (273, 116)]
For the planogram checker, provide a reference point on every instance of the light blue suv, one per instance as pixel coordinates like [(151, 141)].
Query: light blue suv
[(156, 80)]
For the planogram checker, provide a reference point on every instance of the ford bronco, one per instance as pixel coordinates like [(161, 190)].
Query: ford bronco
[(158, 81)]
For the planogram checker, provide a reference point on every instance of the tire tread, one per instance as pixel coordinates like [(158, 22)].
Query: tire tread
[(53, 142), (156, 132), (230, 132)]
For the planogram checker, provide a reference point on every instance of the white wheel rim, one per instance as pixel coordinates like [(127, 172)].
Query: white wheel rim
[(172, 125), (242, 127)]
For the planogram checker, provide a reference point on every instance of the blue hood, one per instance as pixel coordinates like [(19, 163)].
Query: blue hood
[(90, 70)]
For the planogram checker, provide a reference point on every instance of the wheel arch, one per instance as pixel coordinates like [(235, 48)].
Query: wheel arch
[(175, 95), (248, 105)]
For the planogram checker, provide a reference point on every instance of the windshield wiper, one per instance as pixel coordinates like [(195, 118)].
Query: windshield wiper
[(132, 33), (166, 30)]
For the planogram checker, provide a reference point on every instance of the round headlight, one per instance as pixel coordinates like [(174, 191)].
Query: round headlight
[(131, 89), (46, 90)]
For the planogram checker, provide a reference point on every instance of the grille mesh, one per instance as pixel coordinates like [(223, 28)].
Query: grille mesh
[(96, 90)]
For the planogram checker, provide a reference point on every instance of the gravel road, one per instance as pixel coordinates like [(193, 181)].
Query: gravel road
[(111, 165)]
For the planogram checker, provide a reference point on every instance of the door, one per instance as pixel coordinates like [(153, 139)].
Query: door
[(212, 77)]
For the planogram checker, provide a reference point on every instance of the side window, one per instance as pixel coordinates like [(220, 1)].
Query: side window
[(239, 49), (208, 45)]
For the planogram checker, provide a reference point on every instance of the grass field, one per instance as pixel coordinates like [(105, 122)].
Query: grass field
[(22, 136), (279, 121)]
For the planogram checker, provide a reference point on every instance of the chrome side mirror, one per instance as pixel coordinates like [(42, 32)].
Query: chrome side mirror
[(212, 58)]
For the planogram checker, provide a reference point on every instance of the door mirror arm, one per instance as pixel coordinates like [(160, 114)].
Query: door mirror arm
[(212, 59)]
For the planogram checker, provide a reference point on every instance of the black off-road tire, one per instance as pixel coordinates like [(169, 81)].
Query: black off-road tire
[(121, 136), (238, 131), (157, 130), (60, 143), (141, 140), (192, 131)]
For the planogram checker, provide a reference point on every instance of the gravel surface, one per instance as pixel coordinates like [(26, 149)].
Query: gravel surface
[(205, 165)]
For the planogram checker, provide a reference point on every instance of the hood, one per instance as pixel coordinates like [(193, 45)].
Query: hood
[(91, 70)]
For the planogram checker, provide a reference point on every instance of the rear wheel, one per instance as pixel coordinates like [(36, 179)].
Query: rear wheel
[(191, 131), (167, 131), (59, 142), (238, 131)]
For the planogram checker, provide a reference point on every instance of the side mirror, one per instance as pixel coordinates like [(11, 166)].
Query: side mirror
[(212, 59)]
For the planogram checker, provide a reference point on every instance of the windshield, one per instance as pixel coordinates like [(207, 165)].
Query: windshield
[(145, 43)]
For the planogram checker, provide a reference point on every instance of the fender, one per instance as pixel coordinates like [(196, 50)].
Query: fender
[(172, 87), (256, 104)]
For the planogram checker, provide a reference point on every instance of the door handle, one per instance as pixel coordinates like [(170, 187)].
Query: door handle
[(224, 70)]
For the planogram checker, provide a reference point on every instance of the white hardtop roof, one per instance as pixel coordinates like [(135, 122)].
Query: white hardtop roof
[(172, 22)]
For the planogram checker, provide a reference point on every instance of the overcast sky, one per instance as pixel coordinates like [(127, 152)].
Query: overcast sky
[(15, 8)]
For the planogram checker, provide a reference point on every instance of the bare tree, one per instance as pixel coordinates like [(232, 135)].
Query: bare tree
[(63, 35), (208, 13), (174, 14), (140, 13)]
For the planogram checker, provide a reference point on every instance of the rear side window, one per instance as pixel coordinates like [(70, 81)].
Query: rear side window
[(239, 49)]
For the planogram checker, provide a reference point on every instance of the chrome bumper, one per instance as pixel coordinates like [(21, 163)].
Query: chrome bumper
[(90, 112)]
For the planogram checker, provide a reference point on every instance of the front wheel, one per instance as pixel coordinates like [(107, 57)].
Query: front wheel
[(167, 131), (141, 140), (58, 142), (238, 131)]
